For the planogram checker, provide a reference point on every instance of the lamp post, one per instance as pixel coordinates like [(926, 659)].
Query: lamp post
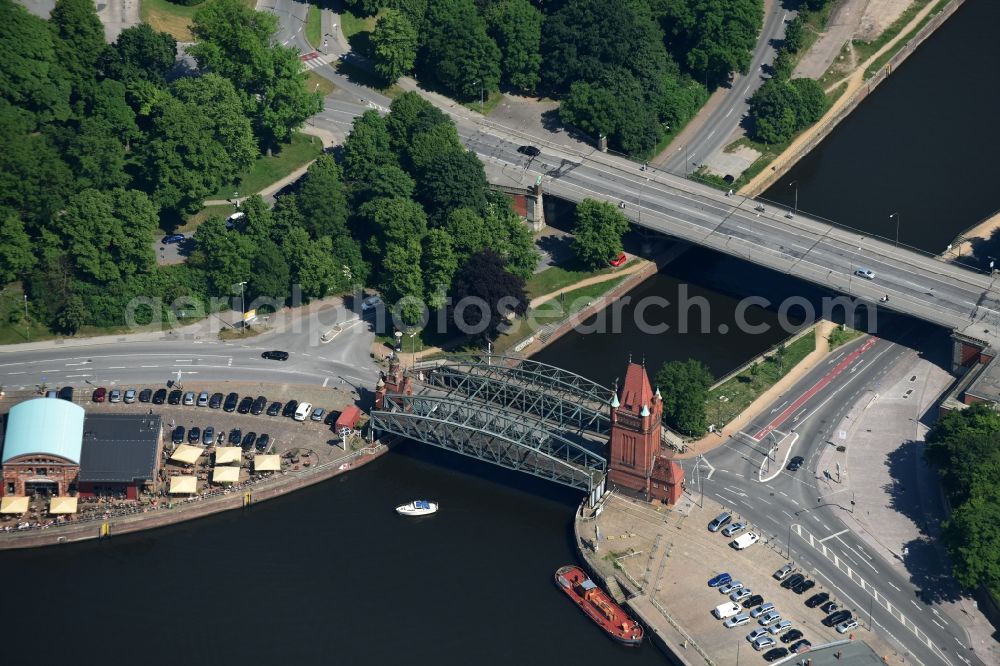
[(413, 354), (236, 199), (482, 95), (896, 215), (243, 309), (27, 324), (795, 209)]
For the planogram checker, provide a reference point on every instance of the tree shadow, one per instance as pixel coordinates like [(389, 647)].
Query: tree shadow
[(984, 250), (560, 248)]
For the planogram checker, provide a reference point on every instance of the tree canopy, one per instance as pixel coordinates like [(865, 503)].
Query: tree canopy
[(684, 386), (597, 233)]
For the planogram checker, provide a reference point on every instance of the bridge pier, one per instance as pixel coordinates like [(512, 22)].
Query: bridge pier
[(968, 352)]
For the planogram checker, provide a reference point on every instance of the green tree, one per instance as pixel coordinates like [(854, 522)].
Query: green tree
[(590, 108), (958, 443), (34, 179), (224, 257), (516, 27), (31, 76), (684, 387), (79, 36), (271, 275), (456, 180), (783, 65), (483, 280), (597, 233), (221, 107), (408, 113), (794, 34), (509, 237), (439, 266), (387, 181), (72, 315), (468, 233), (394, 41), (972, 532), (812, 101), (402, 284), (17, 255), (140, 52), (774, 111), (456, 54), (431, 144), (367, 148), (321, 199)]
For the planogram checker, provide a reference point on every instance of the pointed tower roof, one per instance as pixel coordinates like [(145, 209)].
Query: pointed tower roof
[(636, 392), (614, 400), (645, 411), (658, 396)]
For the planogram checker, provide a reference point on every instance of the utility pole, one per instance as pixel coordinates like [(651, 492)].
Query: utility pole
[(896, 215), (795, 210), (243, 309), (27, 324)]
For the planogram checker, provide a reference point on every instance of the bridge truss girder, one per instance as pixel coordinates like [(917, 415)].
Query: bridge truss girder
[(518, 442), (501, 387)]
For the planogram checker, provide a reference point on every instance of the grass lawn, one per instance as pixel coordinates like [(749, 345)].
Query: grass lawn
[(351, 25), (488, 105), (193, 222), (314, 30), (731, 398), (316, 82), (841, 336), (557, 277), (267, 170), (172, 18), (864, 50)]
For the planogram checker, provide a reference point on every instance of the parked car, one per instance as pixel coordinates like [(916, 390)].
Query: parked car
[(829, 607), (847, 625), (800, 647), (178, 435), (331, 418), (171, 239), (370, 303), (792, 581), (303, 411), (744, 541), (258, 405), (755, 600), (763, 643), (189, 399), (791, 636), (817, 599), (317, 414), (275, 355), (290, 408), (837, 617), (100, 394), (203, 399), (731, 587), (770, 617), (720, 580), (757, 612), (865, 273), (194, 435), (530, 151), (115, 396), (804, 586), (216, 401), (755, 634), (263, 442), (783, 572), (160, 396), (175, 397), (795, 463), (779, 627), (130, 396), (66, 393), (231, 401), (274, 409), (720, 521), (235, 436), (775, 654), (249, 440), (733, 529), (737, 620), (740, 595), (208, 438), (145, 395), (245, 405)]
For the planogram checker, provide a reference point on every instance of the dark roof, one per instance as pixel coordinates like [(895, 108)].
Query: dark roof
[(119, 448), (838, 653)]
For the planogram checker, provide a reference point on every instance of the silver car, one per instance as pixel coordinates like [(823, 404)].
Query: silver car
[(764, 642), (760, 610), (189, 398), (130, 396), (755, 634), (865, 273), (769, 617), (730, 530), (731, 587), (203, 399), (776, 629), (741, 594), (737, 620)]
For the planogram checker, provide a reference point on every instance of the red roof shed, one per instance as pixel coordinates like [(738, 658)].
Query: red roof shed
[(348, 418)]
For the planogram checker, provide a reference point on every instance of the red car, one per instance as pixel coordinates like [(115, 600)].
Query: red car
[(101, 394), (622, 258)]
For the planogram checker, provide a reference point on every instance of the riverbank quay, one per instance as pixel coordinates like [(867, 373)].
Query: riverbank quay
[(658, 561), (859, 87)]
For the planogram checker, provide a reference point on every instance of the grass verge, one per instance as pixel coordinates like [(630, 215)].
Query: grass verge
[(725, 402), (864, 50), (488, 104), (880, 62), (314, 30), (173, 19), (192, 223), (841, 336), (316, 82), (557, 277), (268, 170)]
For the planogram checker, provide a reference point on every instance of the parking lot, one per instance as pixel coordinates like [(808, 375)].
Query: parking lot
[(671, 555)]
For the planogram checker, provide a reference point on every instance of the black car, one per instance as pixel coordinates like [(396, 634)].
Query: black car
[(235, 436), (258, 405), (775, 654), (275, 355), (290, 408), (194, 435), (245, 405), (801, 646), (791, 636), (836, 618), (804, 586), (755, 600), (263, 442), (274, 409), (175, 397), (331, 418), (231, 401), (160, 396), (792, 581), (216, 401), (530, 151), (795, 463), (178, 435), (817, 599), (249, 440), (145, 395), (66, 393), (829, 607)]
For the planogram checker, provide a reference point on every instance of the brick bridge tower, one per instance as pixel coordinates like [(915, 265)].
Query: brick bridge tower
[(395, 381), (634, 458)]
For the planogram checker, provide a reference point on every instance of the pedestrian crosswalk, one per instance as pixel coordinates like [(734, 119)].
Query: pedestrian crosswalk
[(313, 60)]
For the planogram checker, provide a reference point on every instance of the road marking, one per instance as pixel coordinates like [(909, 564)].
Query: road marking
[(183, 360), (325, 380), (856, 553), (786, 513), (773, 519), (831, 536), (761, 499), (782, 492), (116, 367), (915, 604), (16, 373), (893, 586), (80, 363), (149, 366), (79, 375), (795, 502)]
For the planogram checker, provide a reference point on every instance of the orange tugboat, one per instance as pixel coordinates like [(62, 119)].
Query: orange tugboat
[(593, 601)]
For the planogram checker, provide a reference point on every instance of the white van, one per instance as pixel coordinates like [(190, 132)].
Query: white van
[(303, 411), (726, 610), (745, 541)]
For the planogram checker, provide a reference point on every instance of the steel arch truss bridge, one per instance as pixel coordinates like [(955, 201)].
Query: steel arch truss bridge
[(491, 433), (545, 391)]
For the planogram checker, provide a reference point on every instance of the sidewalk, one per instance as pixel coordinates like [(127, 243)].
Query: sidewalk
[(764, 400), (636, 264)]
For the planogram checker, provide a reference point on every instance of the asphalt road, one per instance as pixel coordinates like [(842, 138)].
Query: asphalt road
[(787, 510)]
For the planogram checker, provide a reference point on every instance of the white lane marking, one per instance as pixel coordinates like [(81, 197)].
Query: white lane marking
[(183, 360), (16, 373), (893, 586), (116, 367), (915, 604), (80, 363), (79, 375), (795, 502), (782, 492), (149, 366), (773, 519), (325, 380), (856, 553), (786, 513), (761, 499)]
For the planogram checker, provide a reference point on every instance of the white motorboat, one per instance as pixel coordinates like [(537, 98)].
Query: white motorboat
[(417, 508)]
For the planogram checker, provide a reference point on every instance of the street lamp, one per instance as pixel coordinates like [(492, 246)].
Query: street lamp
[(413, 354), (896, 215), (236, 198), (243, 309), (27, 324), (482, 95), (795, 210)]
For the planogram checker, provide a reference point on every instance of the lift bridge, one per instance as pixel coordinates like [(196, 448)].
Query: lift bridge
[(516, 413)]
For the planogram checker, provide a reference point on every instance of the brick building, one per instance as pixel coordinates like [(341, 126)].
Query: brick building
[(42, 446), (121, 454), (635, 461)]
